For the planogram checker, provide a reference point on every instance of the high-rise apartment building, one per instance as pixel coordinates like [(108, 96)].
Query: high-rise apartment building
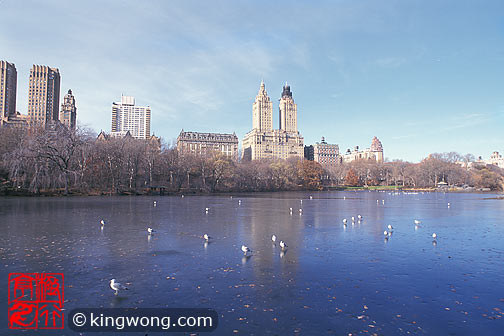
[(8, 85), (68, 113), (43, 95), (263, 141), (128, 117)]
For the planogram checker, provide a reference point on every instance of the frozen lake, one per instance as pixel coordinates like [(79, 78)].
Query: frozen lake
[(332, 279)]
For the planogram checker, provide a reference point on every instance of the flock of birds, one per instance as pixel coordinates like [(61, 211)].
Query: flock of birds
[(388, 233), (116, 286)]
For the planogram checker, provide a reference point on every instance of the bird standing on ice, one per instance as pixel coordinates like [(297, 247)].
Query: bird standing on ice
[(206, 237), (273, 238), (283, 245), (434, 236), (150, 231), (417, 221), (116, 286), (245, 249), (344, 221)]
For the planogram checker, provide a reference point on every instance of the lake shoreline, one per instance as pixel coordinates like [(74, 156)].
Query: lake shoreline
[(52, 193)]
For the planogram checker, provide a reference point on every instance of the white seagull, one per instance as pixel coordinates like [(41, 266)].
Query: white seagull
[(359, 216), (283, 245), (245, 249), (116, 286), (155, 203), (206, 210), (390, 227), (102, 222), (353, 219), (385, 233), (300, 211), (273, 238), (206, 237), (434, 235), (344, 221), (417, 221), (150, 230)]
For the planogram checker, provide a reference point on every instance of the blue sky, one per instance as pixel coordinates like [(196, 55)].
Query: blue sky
[(422, 76)]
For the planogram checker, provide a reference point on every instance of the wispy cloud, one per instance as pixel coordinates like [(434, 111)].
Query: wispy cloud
[(390, 62), (464, 121)]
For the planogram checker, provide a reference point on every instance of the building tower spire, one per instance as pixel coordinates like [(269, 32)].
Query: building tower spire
[(288, 111), (262, 111), (68, 113)]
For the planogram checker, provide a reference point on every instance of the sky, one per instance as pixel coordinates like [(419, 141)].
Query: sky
[(422, 76)]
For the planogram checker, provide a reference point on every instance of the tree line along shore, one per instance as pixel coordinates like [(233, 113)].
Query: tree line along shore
[(59, 161)]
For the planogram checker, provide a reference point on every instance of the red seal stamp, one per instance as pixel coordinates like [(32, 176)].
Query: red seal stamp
[(36, 300)]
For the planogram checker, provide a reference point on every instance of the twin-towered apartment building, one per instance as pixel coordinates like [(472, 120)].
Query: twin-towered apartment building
[(264, 142)]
